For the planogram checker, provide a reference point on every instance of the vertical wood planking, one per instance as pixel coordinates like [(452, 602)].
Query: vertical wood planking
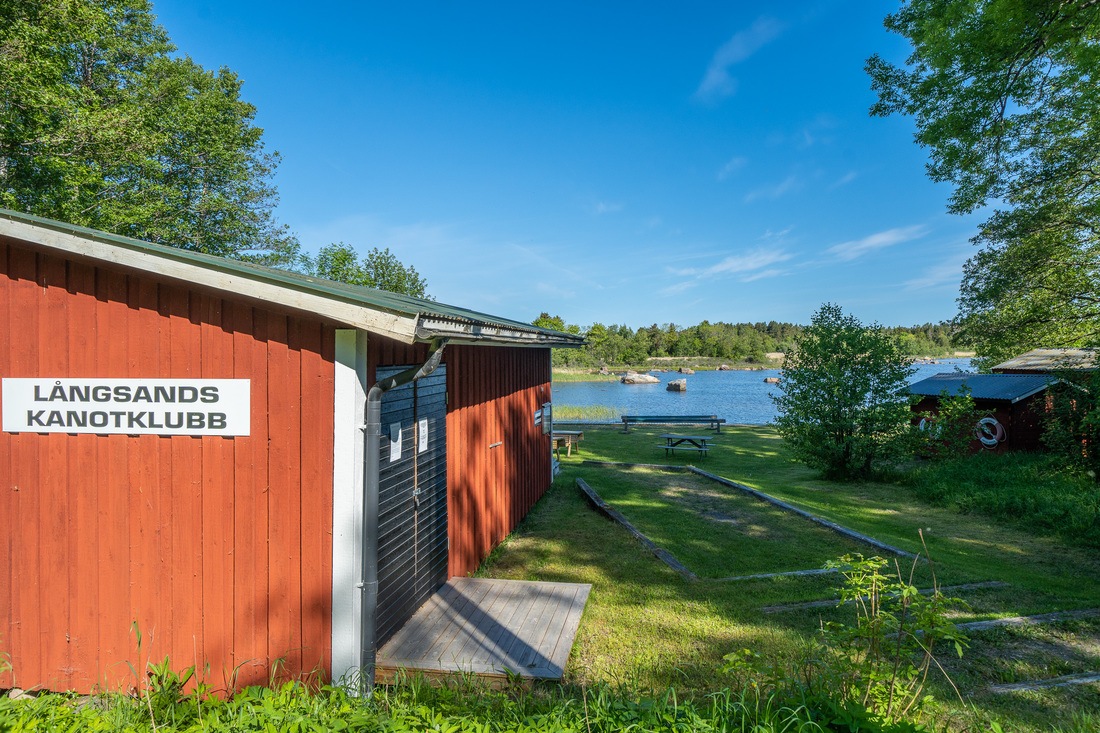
[(493, 395), (106, 530)]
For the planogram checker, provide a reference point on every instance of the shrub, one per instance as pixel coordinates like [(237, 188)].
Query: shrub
[(844, 407)]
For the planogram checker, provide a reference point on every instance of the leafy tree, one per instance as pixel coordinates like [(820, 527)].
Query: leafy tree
[(378, 268), (1003, 93), (102, 126), (1072, 425), (844, 406)]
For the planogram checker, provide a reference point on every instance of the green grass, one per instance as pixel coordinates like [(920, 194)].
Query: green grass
[(648, 628), (715, 530), (1036, 490), (462, 706)]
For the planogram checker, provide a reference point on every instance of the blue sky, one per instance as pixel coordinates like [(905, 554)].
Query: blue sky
[(632, 163)]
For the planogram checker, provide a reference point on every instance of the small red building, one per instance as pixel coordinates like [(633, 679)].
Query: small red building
[(183, 468), (1013, 405)]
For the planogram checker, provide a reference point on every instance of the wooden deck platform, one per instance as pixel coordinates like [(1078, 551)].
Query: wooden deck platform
[(491, 628)]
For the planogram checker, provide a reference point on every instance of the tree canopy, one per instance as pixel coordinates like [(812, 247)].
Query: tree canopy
[(1003, 94), (620, 345), (102, 125)]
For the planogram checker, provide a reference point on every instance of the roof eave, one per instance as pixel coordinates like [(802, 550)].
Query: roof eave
[(253, 285)]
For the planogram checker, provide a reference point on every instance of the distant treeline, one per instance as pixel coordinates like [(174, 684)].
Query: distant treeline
[(733, 342)]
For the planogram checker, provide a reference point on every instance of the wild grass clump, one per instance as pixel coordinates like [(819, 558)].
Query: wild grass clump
[(1035, 488), (586, 413), (413, 705)]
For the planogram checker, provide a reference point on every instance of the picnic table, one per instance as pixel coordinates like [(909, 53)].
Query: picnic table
[(567, 438), (674, 442)]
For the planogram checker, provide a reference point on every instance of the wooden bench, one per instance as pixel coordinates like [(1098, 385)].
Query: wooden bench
[(713, 422)]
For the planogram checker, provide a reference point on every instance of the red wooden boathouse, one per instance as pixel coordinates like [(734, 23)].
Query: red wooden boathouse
[(183, 460)]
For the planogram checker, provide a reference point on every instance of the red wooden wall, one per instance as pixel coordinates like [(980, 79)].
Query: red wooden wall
[(492, 396), (1022, 421), (217, 550)]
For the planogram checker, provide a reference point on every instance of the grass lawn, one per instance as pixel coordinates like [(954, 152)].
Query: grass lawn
[(647, 628)]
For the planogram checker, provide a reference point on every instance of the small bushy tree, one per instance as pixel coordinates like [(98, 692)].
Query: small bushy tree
[(844, 406)]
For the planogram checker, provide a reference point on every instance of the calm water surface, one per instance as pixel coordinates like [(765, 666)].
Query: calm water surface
[(740, 397)]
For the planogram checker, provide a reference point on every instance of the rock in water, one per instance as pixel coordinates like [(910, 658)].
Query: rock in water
[(635, 378), (678, 385)]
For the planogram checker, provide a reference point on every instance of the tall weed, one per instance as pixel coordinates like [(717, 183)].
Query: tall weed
[(869, 673), (1037, 488)]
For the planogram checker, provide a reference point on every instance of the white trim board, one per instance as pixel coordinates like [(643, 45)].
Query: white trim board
[(347, 501)]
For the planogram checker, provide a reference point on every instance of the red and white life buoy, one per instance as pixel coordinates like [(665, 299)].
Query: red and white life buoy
[(990, 432)]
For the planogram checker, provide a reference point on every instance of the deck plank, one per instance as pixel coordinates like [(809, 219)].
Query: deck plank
[(490, 627)]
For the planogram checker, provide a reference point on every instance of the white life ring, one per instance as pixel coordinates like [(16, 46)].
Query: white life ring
[(990, 432), (930, 426)]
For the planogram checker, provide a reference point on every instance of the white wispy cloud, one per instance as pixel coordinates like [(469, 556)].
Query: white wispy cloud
[(679, 287), (745, 267), (734, 164), (788, 184), (606, 207), (847, 251), (717, 81), (747, 262), (770, 272), (844, 180), (946, 273)]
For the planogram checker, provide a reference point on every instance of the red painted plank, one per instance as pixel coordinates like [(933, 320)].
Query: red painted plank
[(186, 491), (217, 505), (142, 339), (116, 644), (250, 511), (291, 458), (282, 514), (316, 486), (83, 491), (54, 537)]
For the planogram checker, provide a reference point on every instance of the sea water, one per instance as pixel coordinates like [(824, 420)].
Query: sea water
[(741, 397)]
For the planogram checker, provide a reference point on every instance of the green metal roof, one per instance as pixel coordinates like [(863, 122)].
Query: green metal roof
[(431, 319)]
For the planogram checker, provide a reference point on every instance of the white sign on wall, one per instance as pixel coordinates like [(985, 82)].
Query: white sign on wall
[(127, 406)]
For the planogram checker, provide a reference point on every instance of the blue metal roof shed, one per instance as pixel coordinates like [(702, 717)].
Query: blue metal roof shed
[(1010, 388)]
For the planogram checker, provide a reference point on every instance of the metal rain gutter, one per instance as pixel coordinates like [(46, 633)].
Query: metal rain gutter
[(468, 332), (372, 429)]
